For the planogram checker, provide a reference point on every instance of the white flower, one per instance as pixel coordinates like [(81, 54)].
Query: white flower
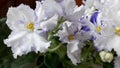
[(102, 30), (74, 37), (29, 29), (66, 8), (107, 24), (106, 56), (71, 32)]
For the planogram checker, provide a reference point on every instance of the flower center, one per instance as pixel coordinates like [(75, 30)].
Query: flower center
[(70, 37), (98, 29), (117, 30), (30, 26)]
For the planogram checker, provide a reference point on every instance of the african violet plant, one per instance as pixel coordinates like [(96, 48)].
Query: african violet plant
[(60, 34)]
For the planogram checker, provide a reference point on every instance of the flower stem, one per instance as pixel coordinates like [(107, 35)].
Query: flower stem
[(54, 49)]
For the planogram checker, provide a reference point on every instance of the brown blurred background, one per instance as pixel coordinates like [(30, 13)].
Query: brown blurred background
[(4, 4)]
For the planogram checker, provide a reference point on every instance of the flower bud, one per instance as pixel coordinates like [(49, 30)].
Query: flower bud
[(106, 56)]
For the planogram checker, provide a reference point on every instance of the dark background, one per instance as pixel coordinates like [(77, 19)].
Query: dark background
[(4, 4)]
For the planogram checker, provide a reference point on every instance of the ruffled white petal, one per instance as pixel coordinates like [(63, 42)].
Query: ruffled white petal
[(63, 34), (68, 28), (21, 44), (49, 24), (88, 3), (40, 43), (40, 12), (71, 27), (73, 52), (14, 37), (17, 17), (68, 6), (77, 13), (52, 8), (114, 43)]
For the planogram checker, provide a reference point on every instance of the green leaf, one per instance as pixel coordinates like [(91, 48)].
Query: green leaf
[(26, 61), (52, 61), (5, 52), (108, 65)]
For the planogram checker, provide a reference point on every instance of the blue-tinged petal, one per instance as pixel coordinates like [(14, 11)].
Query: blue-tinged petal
[(85, 28), (93, 38), (93, 18)]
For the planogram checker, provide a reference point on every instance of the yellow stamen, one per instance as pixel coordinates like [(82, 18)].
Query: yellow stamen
[(70, 37), (30, 26), (117, 30), (98, 29)]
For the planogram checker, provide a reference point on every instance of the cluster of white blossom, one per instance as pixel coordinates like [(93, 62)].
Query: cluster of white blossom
[(96, 20), (104, 23)]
